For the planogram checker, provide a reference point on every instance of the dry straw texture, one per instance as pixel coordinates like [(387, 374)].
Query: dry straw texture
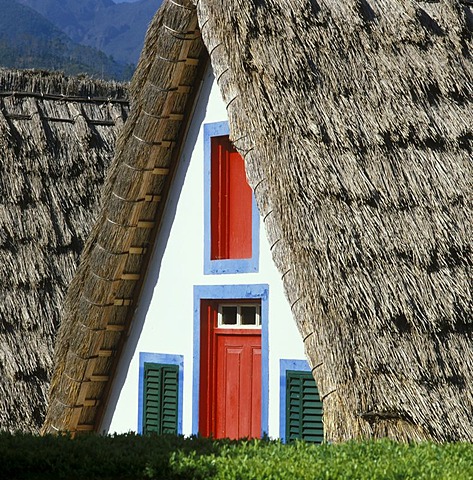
[(103, 295), (355, 119), (57, 136)]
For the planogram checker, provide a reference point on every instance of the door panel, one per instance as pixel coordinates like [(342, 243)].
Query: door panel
[(238, 384), (228, 389), (256, 392)]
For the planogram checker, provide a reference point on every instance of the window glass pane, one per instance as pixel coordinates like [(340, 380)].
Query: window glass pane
[(248, 315), (229, 315)]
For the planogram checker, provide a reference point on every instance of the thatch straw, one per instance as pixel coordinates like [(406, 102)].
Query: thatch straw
[(355, 119), (56, 141), (102, 297), (355, 122)]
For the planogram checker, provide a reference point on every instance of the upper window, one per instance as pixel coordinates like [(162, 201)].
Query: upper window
[(232, 221), (230, 203)]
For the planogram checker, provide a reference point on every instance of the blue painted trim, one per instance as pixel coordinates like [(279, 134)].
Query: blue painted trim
[(166, 359), (284, 366), (230, 292), (241, 265)]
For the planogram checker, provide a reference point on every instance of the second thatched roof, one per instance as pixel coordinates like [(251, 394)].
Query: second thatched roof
[(57, 137)]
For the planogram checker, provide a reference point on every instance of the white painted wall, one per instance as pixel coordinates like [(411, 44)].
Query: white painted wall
[(164, 317)]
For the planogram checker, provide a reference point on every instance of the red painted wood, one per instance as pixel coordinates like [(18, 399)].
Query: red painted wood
[(208, 311), (230, 204), (230, 379), (238, 389)]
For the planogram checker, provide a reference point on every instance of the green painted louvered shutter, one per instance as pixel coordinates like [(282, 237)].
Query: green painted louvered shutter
[(303, 408), (160, 398)]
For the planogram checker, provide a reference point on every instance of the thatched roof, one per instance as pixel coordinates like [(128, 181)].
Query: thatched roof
[(355, 120), (103, 295), (57, 136)]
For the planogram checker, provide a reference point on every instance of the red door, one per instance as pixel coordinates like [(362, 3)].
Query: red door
[(230, 387)]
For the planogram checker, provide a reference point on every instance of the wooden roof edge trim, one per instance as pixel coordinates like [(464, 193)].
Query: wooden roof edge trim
[(148, 254)]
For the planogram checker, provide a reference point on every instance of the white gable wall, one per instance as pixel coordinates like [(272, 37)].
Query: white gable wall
[(164, 317)]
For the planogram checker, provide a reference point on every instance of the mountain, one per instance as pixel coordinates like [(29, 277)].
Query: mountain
[(28, 40), (116, 29)]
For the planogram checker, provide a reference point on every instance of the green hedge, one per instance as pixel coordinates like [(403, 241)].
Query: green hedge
[(135, 457)]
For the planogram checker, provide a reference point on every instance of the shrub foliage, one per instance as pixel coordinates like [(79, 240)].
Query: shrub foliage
[(130, 456)]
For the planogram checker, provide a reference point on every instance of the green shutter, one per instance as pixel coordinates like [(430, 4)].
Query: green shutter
[(303, 408), (160, 398)]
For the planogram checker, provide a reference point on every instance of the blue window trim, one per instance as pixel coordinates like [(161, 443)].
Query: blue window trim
[(228, 292), (284, 366), (242, 265), (163, 358)]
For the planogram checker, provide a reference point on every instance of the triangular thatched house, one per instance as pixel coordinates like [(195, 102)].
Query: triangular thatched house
[(57, 138), (355, 122)]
